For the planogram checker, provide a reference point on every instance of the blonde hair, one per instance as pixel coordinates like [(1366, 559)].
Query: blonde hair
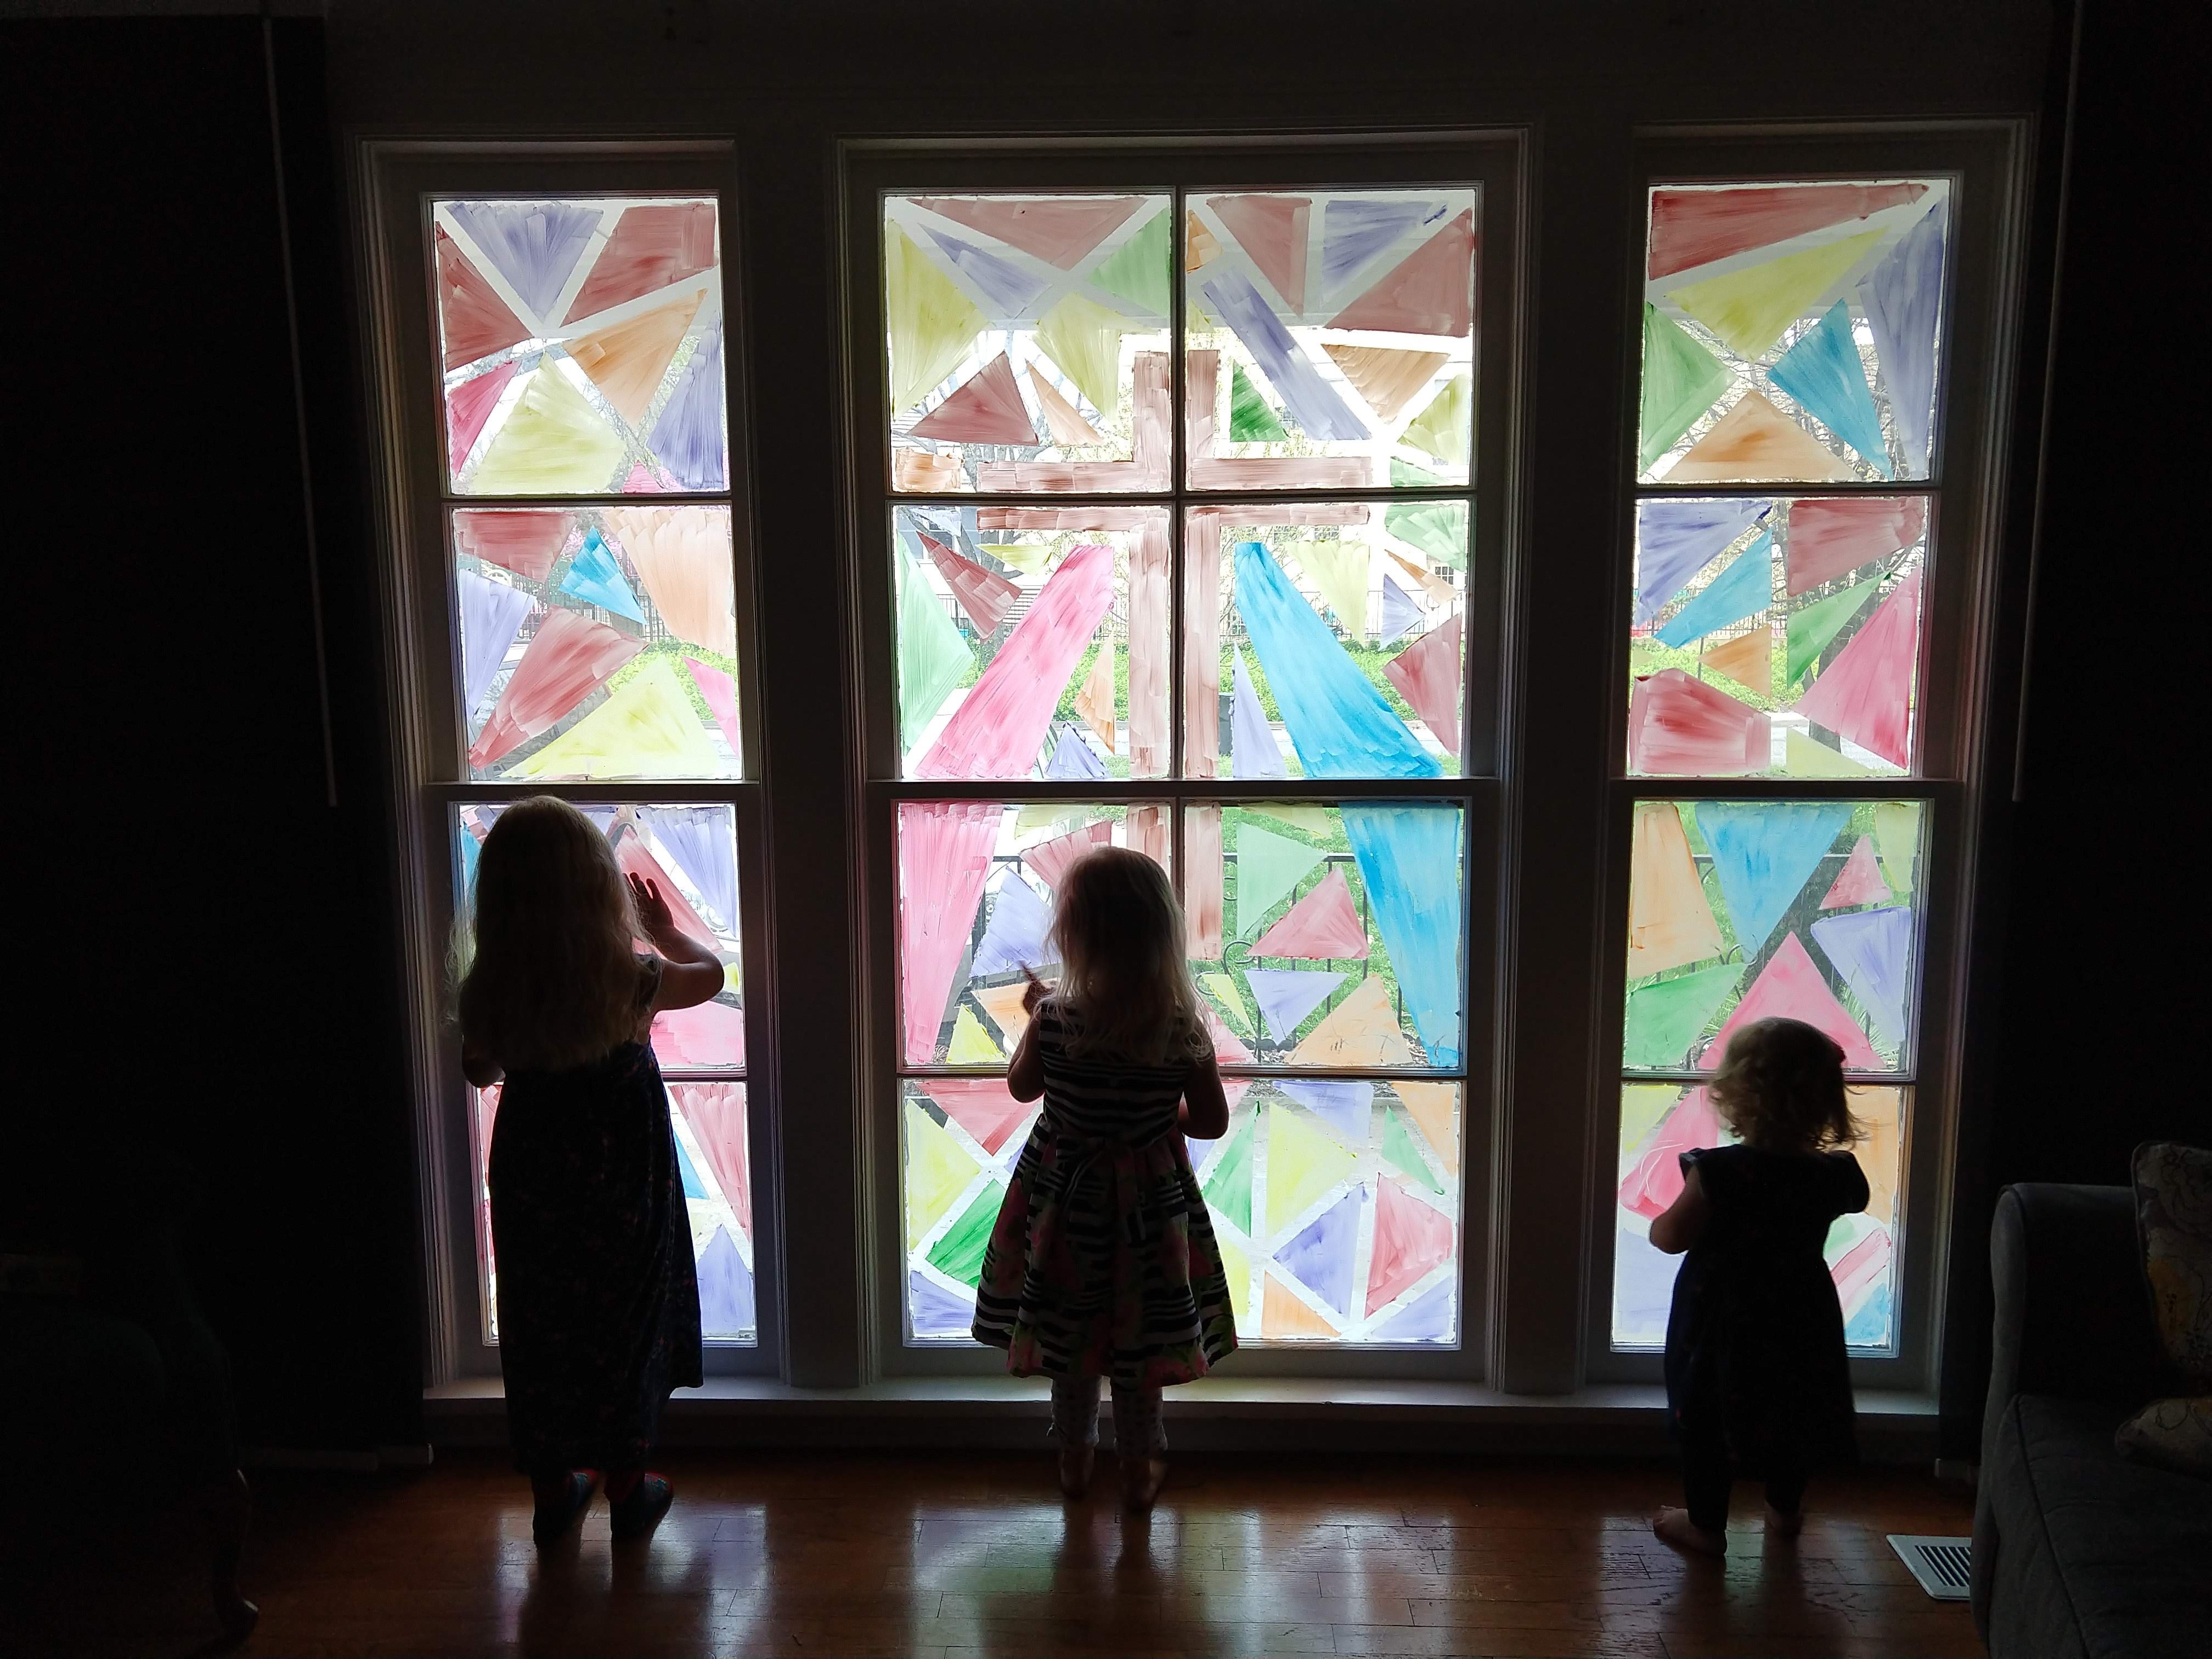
[(552, 981), (1120, 935), (1781, 1088)]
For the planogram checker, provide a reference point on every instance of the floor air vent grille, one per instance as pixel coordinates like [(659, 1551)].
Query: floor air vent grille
[(1943, 1565)]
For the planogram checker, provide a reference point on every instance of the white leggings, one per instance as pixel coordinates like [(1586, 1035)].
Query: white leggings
[(1136, 1415)]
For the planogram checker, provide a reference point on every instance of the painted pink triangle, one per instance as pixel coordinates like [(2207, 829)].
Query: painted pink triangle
[(982, 1106), (1790, 988), (1429, 292), (1050, 860), (1657, 1180), (1410, 1239), (1866, 694), (1692, 228), (987, 409), (1273, 230), (1860, 881), (470, 406), (1829, 536), (1322, 926), (985, 595), (640, 482), (1427, 675), (1060, 232)]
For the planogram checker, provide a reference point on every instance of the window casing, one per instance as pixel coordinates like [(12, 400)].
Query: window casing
[(1251, 482)]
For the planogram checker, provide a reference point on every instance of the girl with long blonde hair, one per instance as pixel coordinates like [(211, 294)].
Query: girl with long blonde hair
[(598, 1303), (1102, 1263)]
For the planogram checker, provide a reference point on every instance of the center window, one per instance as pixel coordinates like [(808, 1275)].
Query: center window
[(1178, 502)]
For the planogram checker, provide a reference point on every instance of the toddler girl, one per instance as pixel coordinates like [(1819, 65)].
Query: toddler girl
[(1102, 1262), (1757, 1380), (599, 1304)]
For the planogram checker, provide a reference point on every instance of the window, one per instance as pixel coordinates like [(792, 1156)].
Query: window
[(576, 585), (1786, 512), (1250, 639)]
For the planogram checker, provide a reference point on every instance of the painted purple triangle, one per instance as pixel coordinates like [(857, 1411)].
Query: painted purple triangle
[(698, 838), (1073, 761), (1287, 995), (1426, 1318), (726, 1289), (1345, 1107), (688, 436), (1676, 539), (1006, 285), (1322, 1256), (1400, 614), (1252, 752), (932, 1310), (1015, 939), (491, 616), (534, 245), (1873, 951)]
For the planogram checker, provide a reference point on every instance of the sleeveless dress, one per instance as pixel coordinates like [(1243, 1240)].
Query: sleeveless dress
[(1755, 1335), (1102, 1262), (599, 1300)]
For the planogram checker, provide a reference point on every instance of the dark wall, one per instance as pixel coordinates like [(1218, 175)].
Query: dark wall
[(210, 996), (2092, 1039)]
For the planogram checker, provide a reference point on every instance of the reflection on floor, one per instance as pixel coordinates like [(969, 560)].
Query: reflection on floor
[(849, 1554)]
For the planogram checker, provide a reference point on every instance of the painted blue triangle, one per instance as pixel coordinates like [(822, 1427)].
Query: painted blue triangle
[(932, 1310), (1015, 939), (1870, 1326), (1287, 995), (1323, 1254), (1354, 232), (1764, 852), (1005, 285), (594, 577), (726, 1289), (1746, 586), (1252, 752), (1676, 539), (1073, 759), (470, 854), (1400, 614), (693, 1187), (1409, 860), (1346, 1108), (1822, 372), (1426, 1318)]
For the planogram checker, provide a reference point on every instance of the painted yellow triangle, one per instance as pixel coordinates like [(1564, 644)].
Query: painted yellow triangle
[(1084, 339), (646, 728), (1642, 1106), (936, 1171), (555, 443), (1231, 999), (1445, 428), (1360, 1031), (1302, 1164), (1804, 758), (1339, 569), (931, 322), (1095, 702), (1897, 841), (1236, 1268), (1749, 308), (971, 1044), (1313, 820)]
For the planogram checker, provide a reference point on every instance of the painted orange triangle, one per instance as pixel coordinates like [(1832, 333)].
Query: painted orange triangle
[(1282, 1314), (1435, 1107), (987, 409), (627, 360), (1063, 420), (1757, 441), (1748, 659), (1273, 230), (1429, 292), (1387, 380), (1200, 246)]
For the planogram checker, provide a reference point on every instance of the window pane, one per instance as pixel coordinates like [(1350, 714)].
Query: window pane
[(1773, 635), (597, 642), (1743, 910), (975, 883), (960, 1137), (691, 853), (582, 345), (1328, 935), (1336, 1205), (1028, 340), (1324, 640), (1032, 642), (713, 1159), (1331, 336), (1792, 332), (1659, 1121)]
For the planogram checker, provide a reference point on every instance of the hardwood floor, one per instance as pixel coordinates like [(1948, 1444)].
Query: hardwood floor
[(851, 1554)]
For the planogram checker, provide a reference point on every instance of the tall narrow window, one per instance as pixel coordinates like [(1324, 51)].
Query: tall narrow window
[(1178, 552), (592, 611), (1786, 521)]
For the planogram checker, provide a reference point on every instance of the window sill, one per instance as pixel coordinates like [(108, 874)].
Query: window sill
[(1616, 1419)]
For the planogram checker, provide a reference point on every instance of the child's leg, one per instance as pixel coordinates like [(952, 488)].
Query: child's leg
[(1138, 1431), (1075, 1411), (1785, 1502), (1707, 1473)]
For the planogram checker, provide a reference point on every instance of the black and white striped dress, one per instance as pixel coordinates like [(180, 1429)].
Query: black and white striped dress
[(1103, 1261)]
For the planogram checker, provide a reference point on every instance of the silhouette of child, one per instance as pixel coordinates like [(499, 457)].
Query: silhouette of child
[(1757, 1379)]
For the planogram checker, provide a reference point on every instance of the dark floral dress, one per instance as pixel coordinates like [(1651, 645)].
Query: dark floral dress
[(598, 1301), (1755, 1336)]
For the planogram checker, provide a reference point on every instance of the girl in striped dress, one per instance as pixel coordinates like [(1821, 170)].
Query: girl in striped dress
[(1102, 1262)]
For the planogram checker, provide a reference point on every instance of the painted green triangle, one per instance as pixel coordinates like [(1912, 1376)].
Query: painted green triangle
[(958, 1252), (1399, 1149), (1138, 271), (1665, 1018), (1437, 528), (1404, 475), (1228, 1185), (933, 657), (1250, 420), (1268, 868), (1680, 381), (1810, 629)]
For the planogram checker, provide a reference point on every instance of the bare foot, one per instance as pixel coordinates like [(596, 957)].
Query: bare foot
[(1075, 1464), (1141, 1480), (1779, 1525), (1674, 1526)]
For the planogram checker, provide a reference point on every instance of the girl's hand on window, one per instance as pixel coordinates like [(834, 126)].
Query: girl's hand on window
[(1037, 991), (653, 915)]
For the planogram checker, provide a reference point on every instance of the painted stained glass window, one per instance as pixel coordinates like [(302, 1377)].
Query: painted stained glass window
[(1328, 345), (594, 626), (1794, 336)]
